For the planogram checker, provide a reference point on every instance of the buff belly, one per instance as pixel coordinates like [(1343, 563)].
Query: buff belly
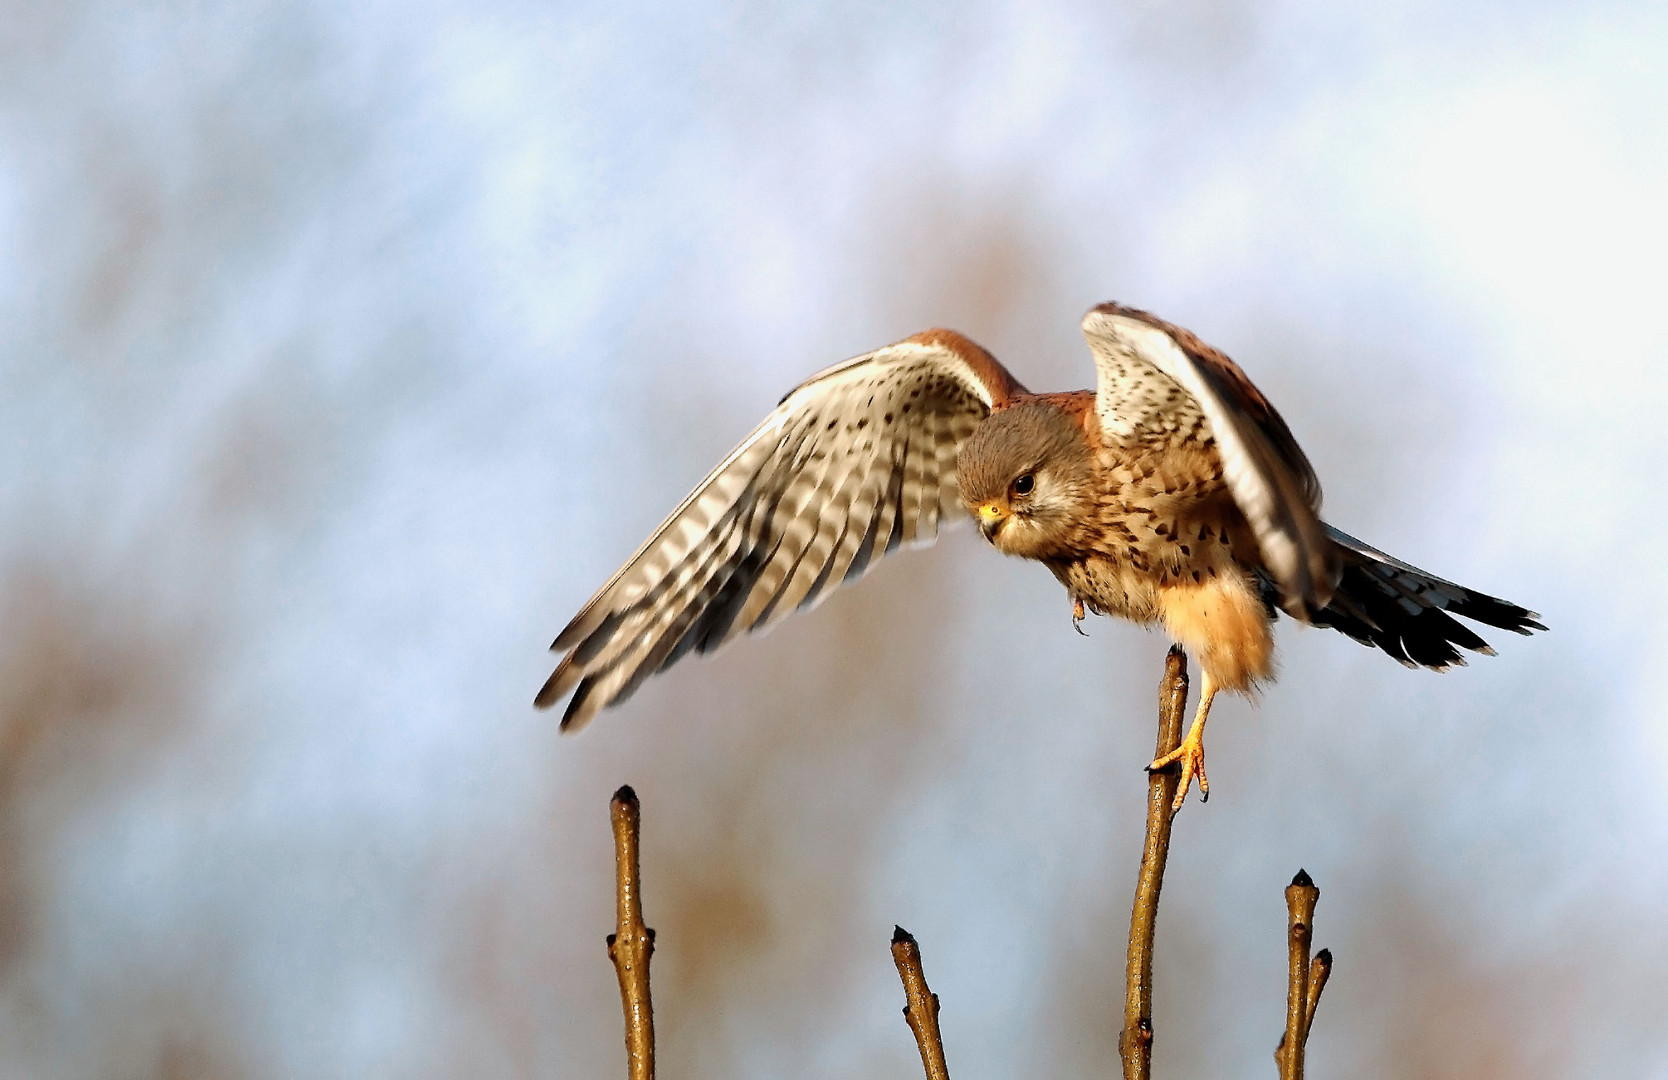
[(1220, 619)]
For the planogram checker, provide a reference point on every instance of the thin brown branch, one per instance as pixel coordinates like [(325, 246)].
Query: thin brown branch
[(1320, 969), (1136, 1042), (632, 943), (1305, 980), (921, 1008)]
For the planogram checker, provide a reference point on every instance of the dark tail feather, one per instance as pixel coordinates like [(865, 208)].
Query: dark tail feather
[(1383, 602)]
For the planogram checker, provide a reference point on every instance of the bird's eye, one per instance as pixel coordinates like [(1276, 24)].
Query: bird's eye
[(1024, 484)]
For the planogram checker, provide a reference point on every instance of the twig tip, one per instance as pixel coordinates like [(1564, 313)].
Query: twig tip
[(900, 936), (626, 795), (1324, 958), (1303, 880)]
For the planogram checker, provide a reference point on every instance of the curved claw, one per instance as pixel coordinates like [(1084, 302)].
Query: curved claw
[(1191, 755), (1077, 616)]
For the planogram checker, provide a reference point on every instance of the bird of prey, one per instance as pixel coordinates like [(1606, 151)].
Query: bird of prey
[(1173, 495)]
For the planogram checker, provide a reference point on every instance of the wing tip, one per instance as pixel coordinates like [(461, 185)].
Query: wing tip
[(581, 708), (570, 635), (556, 688), (548, 694)]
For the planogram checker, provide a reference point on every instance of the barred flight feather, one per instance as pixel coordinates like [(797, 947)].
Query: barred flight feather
[(855, 463)]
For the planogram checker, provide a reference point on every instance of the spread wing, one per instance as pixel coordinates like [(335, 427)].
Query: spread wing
[(856, 461), (1155, 377)]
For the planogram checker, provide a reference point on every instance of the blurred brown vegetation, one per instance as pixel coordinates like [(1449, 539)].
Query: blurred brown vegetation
[(94, 689)]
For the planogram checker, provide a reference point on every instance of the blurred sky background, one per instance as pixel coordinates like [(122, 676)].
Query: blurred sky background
[(348, 348)]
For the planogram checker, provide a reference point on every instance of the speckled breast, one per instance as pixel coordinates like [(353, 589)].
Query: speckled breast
[(1165, 519)]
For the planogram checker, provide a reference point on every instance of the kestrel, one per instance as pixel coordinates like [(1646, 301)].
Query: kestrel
[(1173, 494)]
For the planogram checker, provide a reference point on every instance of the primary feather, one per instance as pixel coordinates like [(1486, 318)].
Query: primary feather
[(854, 462)]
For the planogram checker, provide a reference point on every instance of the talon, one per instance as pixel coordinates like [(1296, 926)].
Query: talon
[(1077, 616), (1191, 754)]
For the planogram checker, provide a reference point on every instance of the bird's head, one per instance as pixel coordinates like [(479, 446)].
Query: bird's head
[(1025, 475)]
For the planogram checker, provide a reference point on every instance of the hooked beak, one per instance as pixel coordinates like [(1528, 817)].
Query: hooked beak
[(991, 517)]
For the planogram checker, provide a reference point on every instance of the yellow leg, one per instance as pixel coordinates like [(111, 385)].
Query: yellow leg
[(1191, 752)]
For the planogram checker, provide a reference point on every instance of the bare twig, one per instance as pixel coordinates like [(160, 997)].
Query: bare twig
[(1305, 978), (1320, 969), (921, 1008), (1135, 1044), (632, 943)]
